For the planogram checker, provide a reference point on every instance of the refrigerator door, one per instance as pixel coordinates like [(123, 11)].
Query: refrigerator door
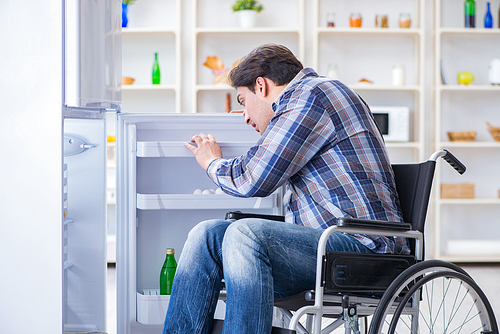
[(156, 205), (84, 229), (93, 59)]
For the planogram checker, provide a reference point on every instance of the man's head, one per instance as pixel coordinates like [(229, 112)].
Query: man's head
[(259, 79), (272, 61)]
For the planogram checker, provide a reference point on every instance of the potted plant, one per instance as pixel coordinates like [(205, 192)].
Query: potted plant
[(247, 11)]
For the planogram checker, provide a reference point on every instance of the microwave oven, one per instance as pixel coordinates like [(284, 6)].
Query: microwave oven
[(393, 122)]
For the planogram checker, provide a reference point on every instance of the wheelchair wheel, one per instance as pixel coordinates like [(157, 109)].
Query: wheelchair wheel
[(434, 297)]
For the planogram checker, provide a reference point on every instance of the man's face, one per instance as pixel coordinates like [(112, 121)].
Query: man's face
[(258, 112)]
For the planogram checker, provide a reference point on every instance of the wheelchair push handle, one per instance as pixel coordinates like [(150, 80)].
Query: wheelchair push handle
[(451, 159)]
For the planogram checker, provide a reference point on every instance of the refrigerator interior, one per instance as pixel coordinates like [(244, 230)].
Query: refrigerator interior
[(84, 229), (157, 176)]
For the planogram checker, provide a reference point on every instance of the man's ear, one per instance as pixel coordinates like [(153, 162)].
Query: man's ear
[(262, 86)]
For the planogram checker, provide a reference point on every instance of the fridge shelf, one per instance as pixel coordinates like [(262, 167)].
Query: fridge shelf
[(151, 306), (161, 149), (202, 202)]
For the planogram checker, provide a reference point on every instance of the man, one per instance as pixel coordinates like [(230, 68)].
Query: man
[(320, 141)]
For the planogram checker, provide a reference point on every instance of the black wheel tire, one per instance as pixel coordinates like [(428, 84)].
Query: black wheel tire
[(429, 272)]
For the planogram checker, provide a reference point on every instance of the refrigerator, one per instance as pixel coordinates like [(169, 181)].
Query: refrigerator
[(157, 178)]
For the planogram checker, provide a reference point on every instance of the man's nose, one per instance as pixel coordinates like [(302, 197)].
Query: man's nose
[(247, 119)]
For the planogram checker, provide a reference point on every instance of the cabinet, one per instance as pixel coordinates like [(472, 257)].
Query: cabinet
[(371, 53), (216, 32), (154, 26), (466, 229)]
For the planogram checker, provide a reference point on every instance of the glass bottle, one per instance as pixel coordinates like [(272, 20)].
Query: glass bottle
[(488, 18), (333, 73), (168, 272), (156, 71), (470, 13), (330, 20)]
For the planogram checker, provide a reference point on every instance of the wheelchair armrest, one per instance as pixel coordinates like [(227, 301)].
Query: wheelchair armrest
[(373, 224), (235, 215)]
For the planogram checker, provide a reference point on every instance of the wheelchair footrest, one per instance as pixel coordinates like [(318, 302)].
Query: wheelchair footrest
[(363, 272)]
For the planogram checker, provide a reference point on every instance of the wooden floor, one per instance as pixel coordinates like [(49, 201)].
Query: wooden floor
[(486, 276)]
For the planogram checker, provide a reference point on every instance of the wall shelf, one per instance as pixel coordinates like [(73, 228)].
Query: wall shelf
[(465, 108), (147, 30), (257, 30), (153, 27), (345, 47), (217, 33), (370, 31), (149, 87)]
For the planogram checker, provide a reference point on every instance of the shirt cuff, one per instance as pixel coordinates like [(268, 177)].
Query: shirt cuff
[(212, 169)]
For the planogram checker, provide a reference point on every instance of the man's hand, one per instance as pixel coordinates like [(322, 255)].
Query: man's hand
[(207, 151)]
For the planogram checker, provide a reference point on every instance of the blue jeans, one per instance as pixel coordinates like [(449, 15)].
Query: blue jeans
[(258, 260)]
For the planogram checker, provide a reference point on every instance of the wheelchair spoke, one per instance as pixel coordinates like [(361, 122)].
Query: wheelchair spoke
[(437, 303)]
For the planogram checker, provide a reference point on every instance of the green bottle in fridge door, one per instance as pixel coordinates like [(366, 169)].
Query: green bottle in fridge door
[(168, 272)]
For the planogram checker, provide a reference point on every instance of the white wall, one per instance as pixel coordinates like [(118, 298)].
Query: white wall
[(30, 166)]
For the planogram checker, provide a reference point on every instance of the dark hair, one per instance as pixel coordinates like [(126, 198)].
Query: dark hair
[(272, 61)]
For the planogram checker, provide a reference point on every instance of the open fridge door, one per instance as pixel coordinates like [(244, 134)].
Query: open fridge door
[(92, 87), (84, 229)]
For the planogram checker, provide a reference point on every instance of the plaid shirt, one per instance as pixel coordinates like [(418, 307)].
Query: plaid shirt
[(323, 145)]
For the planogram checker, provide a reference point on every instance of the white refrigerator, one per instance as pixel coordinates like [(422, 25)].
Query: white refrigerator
[(156, 181), (61, 76)]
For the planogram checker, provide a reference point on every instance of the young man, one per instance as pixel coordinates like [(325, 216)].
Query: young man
[(320, 141)]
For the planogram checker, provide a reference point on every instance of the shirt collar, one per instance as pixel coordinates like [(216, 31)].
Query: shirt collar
[(305, 72)]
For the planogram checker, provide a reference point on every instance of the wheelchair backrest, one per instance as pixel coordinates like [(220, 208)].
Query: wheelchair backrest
[(413, 184)]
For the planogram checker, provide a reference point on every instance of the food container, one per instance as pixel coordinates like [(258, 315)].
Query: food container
[(462, 136), (404, 20), (381, 21), (355, 20)]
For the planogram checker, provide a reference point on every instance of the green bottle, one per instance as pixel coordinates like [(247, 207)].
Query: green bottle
[(168, 272), (470, 13), (156, 71)]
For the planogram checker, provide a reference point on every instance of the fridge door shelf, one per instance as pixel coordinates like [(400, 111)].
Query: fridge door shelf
[(203, 202), (162, 149), (151, 307)]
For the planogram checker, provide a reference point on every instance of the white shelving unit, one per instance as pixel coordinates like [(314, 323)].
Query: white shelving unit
[(369, 52), (466, 230), (216, 32), (154, 26)]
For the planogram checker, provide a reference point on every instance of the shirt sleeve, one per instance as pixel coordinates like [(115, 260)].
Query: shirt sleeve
[(300, 128)]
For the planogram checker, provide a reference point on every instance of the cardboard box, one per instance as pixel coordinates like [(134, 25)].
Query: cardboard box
[(460, 190)]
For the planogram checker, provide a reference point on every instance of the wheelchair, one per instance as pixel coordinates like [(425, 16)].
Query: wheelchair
[(400, 294)]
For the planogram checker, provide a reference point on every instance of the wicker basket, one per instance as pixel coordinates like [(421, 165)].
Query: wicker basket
[(462, 136), (127, 80), (494, 131)]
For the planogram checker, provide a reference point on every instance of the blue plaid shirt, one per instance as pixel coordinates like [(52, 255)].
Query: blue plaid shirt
[(323, 145)]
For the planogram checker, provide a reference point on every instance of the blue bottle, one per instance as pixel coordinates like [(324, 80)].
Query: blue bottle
[(488, 18)]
